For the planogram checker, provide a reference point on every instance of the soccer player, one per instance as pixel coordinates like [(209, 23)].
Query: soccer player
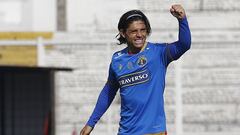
[(139, 71)]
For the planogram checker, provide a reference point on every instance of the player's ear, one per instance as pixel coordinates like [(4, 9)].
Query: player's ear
[(122, 33)]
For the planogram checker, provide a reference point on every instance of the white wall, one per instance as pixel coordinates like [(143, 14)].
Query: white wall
[(44, 15), (84, 15), (27, 15)]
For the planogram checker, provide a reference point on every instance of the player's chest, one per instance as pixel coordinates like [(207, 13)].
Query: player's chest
[(131, 64)]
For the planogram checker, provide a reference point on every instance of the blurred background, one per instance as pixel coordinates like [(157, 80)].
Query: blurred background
[(54, 58)]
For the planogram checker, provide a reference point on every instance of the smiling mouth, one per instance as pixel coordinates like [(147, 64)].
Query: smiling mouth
[(139, 41)]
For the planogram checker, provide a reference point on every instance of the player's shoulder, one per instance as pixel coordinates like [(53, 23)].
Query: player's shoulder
[(157, 45), (119, 54)]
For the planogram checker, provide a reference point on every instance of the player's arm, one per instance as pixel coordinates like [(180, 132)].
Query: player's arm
[(104, 100), (176, 49), (86, 130)]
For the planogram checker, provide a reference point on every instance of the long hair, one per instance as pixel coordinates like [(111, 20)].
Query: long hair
[(126, 19)]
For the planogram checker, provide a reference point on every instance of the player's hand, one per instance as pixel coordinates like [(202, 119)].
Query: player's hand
[(178, 11), (86, 130)]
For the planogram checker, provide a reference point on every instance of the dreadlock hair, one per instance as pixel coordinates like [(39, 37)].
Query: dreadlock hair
[(126, 19)]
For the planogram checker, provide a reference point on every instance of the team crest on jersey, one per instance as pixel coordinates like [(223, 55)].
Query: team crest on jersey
[(142, 60)]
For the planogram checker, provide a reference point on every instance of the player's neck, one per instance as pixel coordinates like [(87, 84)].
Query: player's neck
[(133, 50)]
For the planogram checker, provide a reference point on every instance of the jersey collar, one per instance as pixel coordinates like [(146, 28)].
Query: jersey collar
[(143, 48)]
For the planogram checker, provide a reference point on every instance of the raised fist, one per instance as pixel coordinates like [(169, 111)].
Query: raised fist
[(177, 11)]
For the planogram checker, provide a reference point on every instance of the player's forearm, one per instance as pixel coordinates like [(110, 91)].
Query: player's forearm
[(184, 36), (104, 100), (176, 49)]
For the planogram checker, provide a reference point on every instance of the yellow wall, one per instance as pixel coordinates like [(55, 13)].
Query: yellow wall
[(24, 35), (20, 54)]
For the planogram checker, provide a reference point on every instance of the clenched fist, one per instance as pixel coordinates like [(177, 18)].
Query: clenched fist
[(177, 11)]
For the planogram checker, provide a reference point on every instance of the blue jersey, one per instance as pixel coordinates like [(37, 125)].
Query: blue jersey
[(141, 80)]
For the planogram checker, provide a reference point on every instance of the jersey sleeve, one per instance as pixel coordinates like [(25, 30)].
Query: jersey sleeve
[(105, 98), (175, 50)]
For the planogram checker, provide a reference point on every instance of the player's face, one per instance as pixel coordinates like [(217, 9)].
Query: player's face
[(136, 34)]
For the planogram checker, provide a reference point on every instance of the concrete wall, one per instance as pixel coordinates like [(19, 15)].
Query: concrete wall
[(210, 70)]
